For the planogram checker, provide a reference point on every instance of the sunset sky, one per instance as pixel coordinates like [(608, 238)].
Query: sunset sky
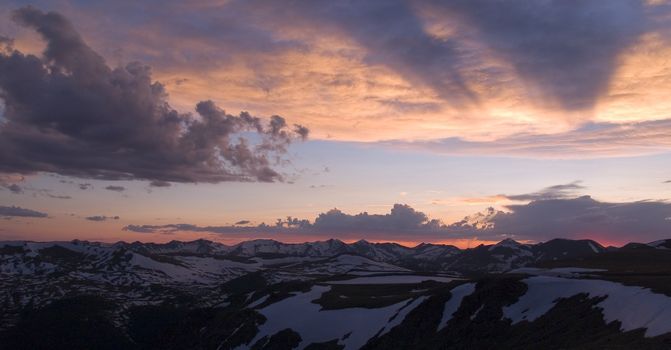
[(122, 120)]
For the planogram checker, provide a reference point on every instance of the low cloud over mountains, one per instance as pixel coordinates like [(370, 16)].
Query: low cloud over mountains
[(539, 220)]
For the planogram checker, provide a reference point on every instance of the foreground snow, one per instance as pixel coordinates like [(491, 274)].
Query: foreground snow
[(352, 327), (452, 305), (634, 307)]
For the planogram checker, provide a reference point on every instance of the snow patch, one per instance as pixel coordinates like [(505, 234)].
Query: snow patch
[(634, 307), (402, 313), (258, 301), (452, 305), (316, 325), (475, 314)]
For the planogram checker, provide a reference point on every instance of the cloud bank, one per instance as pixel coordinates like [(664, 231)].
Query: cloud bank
[(585, 217), (540, 219), (393, 35), (69, 113)]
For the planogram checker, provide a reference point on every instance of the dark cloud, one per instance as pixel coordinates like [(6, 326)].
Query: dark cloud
[(141, 228), (14, 211), (402, 219), (6, 43), (552, 192), (302, 131), (564, 51), (390, 31), (14, 188), (243, 222), (411, 107), (43, 192), (85, 186), (115, 188), (538, 220), (567, 50), (55, 196), (157, 183), (585, 217), (11, 182), (101, 218), (208, 35), (69, 113)]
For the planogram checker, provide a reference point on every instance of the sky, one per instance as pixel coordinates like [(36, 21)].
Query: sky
[(458, 122)]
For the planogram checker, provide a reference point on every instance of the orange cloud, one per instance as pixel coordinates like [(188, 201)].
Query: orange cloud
[(328, 78)]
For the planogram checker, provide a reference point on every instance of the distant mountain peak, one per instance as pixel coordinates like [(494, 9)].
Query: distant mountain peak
[(362, 242), (508, 242), (661, 244)]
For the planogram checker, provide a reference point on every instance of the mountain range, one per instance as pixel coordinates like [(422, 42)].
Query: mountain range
[(150, 295)]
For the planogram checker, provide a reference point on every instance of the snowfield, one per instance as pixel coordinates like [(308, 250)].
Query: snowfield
[(195, 270), (634, 307), (316, 325), (349, 263), (452, 305)]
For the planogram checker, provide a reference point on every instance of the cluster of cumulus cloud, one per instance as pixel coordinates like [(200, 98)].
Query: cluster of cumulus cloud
[(540, 219), (68, 112)]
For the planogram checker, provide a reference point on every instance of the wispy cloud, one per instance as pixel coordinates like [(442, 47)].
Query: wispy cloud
[(553, 192), (14, 211), (558, 47), (587, 141), (14, 188), (101, 218), (115, 188)]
